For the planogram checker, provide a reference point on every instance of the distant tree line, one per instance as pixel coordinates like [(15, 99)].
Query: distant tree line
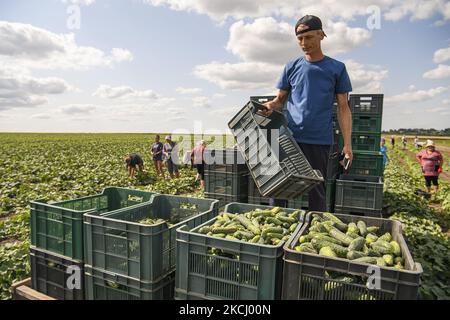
[(419, 132)]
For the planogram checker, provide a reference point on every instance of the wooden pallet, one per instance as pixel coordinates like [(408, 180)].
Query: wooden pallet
[(22, 291)]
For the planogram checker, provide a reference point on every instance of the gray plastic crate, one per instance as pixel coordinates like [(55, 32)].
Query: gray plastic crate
[(359, 192), (306, 275), (248, 272), (119, 243), (50, 275), (277, 164), (104, 285), (376, 213), (58, 227), (225, 199)]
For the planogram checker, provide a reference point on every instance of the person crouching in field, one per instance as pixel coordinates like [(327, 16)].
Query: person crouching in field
[(431, 161), (133, 162)]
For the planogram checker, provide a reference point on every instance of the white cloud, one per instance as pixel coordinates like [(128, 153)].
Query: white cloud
[(415, 95), (437, 109), (446, 101), (219, 96), (33, 47), (220, 10), (19, 89), (240, 76), (441, 72), (441, 55), (182, 90), (43, 116), (79, 2), (124, 92), (72, 109), (201, 102), (266, 40), (366, 78)]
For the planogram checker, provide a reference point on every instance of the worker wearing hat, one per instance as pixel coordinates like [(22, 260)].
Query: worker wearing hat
[(310, 84), (431, 161), (169, 152)]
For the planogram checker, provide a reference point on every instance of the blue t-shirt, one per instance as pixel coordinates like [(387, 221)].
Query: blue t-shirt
[(312, 90)]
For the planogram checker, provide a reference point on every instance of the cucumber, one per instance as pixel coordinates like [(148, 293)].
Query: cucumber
[(226, 230), (230, 237), (331, 217), (373, 230), (396, 248), (381, 262), (357, 244), (371, 238), (352, 234), (339, 250), (219, 235), (272, 230), (274, 235), (382, 249), (370, 260), (286, 219), (352, 228), (326, 237), (389, 259), (274, 221), (225, 217), (275, 210), (362, 228), (275, 241), (327, 251), (399, 260), (386, 237), (345, 239), (306, 247), (248, 224), (255, 239), (244, 234), (204, 230), (293, 227), (352, 255)]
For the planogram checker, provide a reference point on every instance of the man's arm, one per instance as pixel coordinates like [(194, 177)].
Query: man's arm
[(345, 123), (278, 102)]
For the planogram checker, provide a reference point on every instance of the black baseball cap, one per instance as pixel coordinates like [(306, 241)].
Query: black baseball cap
[(308, 23)]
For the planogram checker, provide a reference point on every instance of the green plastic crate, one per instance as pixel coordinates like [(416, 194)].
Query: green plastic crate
[(118, 243), (366, 123), (104, 285), (367, 164), (309, 276), (248, 272), (363, 141), (359, 192), (58, 227), (376, 213), (371, 104)]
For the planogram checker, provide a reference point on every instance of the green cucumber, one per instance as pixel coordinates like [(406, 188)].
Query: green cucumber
[(362, 228)]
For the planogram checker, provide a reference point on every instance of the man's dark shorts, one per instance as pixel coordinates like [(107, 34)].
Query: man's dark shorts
[(201, 170)]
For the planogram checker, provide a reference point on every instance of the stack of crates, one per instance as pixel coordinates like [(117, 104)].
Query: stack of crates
[(56, 253), (226, 176), (130, 256), (360, 190)]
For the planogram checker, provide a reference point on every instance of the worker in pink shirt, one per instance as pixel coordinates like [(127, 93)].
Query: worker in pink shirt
[(431, 161)]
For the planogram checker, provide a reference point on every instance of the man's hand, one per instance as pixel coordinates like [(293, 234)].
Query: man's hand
[(348, 154), (269, 108)]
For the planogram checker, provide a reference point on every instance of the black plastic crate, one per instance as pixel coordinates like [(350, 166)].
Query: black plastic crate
[(225, 161), (359, 192), (273, 157), (366, 103), (306, 276), (104, 285), (56, 276), (248, 271), (232, 184)]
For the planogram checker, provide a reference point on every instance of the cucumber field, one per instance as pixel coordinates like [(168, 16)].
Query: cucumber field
[(57, 167)]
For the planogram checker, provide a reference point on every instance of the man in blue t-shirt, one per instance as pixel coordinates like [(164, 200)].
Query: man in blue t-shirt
[(311, 84)]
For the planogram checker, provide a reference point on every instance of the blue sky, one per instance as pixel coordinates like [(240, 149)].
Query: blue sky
[(164, 65)]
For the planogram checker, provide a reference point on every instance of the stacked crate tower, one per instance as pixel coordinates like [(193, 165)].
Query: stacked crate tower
[(360, 190)]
